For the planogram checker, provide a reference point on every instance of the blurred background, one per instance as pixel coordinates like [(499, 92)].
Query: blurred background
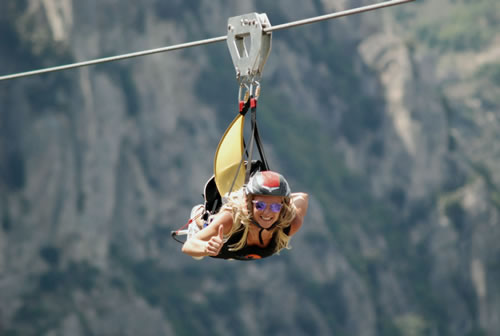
[(389, 120)]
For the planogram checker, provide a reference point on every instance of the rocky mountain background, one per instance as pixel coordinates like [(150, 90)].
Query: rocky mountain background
[(388, 119)]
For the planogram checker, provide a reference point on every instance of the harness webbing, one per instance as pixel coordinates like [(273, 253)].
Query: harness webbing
[(255, 136), (251, 104)]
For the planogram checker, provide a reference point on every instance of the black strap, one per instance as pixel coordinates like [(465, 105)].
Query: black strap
[(255, 136), (252, 137), (246, 106), (251, 104), (261, 148)]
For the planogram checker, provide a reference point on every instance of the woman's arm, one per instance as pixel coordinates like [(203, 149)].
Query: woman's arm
[(209, 241), (301, 202)]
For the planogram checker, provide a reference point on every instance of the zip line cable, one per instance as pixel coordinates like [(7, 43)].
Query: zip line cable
[(114, 58), (336, 15), (203, 42)]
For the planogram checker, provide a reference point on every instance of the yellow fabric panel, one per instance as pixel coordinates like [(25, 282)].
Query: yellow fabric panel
[(228, 158)]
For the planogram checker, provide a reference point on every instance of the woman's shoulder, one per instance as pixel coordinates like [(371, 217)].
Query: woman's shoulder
[(301, 203), (225, 218), (224, 214)]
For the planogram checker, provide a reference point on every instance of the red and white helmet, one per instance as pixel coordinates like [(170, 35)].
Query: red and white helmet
[(268, 183)]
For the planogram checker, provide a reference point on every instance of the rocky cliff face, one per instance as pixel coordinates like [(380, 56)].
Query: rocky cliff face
[(388, 119)]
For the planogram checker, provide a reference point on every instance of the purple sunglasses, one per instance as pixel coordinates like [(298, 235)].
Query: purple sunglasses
[(261, 206)]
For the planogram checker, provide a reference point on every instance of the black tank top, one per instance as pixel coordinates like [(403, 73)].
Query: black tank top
[(248, 252)]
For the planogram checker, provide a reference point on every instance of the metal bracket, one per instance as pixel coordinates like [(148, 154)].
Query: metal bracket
[(249, 45)]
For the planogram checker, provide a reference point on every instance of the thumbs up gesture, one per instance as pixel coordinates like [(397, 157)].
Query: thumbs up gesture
[(214, 244)]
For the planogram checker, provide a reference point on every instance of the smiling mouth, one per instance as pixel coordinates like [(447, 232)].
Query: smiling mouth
[(266, 218)]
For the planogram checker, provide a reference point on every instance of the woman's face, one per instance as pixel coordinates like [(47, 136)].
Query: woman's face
[(263, 207)]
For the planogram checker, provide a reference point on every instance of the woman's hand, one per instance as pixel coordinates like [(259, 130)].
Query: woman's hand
[(214, 244), (209, 241)]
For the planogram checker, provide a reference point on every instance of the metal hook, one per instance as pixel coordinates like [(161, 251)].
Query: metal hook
[(257, 90), (247, 92)]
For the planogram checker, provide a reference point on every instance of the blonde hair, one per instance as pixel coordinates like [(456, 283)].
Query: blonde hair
[(240, 205)]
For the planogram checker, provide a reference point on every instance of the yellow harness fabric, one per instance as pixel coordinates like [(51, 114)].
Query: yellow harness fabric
[(228, 158)]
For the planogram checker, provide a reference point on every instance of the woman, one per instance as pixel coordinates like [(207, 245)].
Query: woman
[(255, 222)]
